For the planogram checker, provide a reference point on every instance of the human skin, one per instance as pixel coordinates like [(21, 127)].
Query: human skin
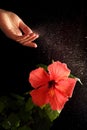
[(14, 28)]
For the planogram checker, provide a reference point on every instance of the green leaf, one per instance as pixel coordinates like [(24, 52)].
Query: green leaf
[(25, 116), (18, 97), (13, 120), (6, 124), (43, 66), (52, 114), (53, 61), (40, 120), (24, 128), (13, 128), (2, 106), (29, 105), (4, 100)]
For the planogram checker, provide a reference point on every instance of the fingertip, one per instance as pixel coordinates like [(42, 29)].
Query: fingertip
[(35, 45), (37, 35)]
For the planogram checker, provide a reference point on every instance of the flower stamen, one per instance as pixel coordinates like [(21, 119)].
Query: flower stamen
[(51, 83)]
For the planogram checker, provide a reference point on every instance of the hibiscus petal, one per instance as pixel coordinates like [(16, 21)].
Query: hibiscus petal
[(66, 86), (38, 77), (58, 70), (57, 100), (39, 96)]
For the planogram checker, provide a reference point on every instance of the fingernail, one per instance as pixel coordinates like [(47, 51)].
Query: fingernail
[(37, 35), (35, 45)]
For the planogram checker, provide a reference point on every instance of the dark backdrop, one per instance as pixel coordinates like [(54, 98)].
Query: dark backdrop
[(62, 26)]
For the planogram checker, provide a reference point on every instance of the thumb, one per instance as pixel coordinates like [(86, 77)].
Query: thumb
[(17, 32)]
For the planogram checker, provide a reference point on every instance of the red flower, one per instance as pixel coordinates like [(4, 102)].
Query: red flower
[(53, 87)]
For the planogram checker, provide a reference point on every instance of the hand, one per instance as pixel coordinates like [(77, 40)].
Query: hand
[(14, 28)]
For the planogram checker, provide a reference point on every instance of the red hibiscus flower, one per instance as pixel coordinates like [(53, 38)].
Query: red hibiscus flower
[(52, 87)]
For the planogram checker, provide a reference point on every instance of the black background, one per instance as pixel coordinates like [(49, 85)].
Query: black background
[(62, 26)]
